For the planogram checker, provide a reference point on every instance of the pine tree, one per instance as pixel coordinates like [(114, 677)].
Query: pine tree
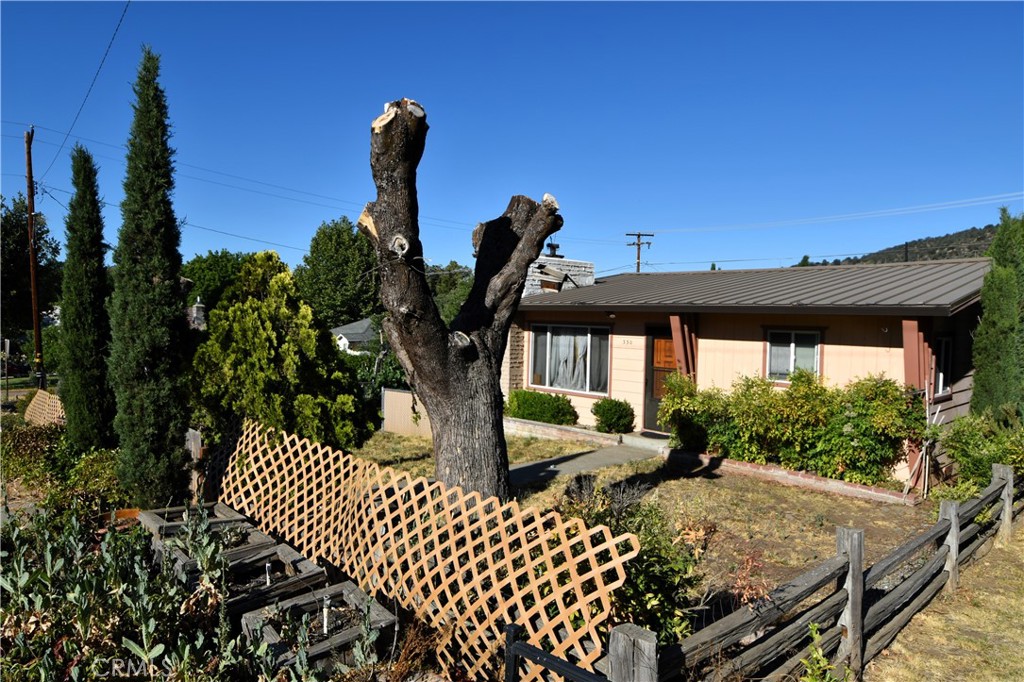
[(85, 326), (147, 308), (999, 339)]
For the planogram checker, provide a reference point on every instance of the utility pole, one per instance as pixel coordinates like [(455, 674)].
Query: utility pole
[(638, 243), (37, 332)]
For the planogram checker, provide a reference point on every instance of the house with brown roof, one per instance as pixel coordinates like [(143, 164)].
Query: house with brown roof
[(620, 336)]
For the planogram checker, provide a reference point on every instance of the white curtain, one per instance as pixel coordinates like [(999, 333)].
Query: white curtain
[(568, 360)]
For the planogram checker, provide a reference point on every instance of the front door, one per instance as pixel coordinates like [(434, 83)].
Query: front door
[(661, 362)]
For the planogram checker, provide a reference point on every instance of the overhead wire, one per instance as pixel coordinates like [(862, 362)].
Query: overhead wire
[(89, 91)]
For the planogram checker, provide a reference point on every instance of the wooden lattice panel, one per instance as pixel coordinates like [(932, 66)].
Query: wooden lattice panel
[(44, 409), (464, 564)]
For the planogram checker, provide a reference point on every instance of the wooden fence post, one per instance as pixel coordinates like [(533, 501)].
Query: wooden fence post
[(950, 510), (850, 543), (634, 654), (1004, 472), (513, 633)]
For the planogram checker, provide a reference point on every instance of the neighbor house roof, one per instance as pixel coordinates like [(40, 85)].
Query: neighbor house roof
[(935, 288), (360, 331)]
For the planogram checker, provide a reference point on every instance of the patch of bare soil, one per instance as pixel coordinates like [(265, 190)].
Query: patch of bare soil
[(416, 454), (760, 534), (975, 634)]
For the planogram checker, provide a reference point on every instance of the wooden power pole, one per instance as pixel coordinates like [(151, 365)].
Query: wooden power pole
[(37, 332), (638, 243)]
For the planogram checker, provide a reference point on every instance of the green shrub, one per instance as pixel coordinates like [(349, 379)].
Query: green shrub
[(661, 582), (550, 408), (754, 408), (864, 437), (855, 433), (613, 416), (976, 442)]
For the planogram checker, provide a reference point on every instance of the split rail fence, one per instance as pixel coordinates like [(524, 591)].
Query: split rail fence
[(858, 612)]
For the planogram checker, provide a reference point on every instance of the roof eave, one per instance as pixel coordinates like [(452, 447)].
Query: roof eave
[(885, 310)]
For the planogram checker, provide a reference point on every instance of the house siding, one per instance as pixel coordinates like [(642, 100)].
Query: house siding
[(732, 346)]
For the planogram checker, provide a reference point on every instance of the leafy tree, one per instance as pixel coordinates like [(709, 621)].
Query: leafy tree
[(85, 325), (999, 338), (15, 283), (265, 359), (337, 277), (804, 262), (450, 286), (147, 309), (212, 274)]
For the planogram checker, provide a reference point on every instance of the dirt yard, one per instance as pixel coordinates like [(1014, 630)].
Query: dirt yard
[(758, 532)]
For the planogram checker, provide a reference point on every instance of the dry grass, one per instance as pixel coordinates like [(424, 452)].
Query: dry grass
[(974, 635), (785, 530), (416, 455)]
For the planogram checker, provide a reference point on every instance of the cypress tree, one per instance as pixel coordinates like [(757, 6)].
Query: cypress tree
[(85, 326), (147, 310), (999, 339)]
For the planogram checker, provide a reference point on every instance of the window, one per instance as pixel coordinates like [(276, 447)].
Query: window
[(943, 365), (791, 350), (572, 358)]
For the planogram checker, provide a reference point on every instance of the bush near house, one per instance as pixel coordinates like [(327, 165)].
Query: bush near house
[(613, 416), (550, 408), (977, 441), (855, 433)]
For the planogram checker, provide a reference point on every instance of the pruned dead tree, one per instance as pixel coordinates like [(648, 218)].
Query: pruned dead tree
[(454, 369)]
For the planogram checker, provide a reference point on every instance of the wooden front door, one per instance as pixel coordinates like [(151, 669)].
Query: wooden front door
[(661, 362)]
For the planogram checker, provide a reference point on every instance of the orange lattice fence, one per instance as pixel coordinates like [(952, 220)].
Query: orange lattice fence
[(44, 409), (463, 564)]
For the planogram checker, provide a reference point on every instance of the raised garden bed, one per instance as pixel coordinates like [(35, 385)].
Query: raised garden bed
[(268, 576), (239, 540), (168, 521), (346, 612)]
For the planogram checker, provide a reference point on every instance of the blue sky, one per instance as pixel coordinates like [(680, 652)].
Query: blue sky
[(746, 134)]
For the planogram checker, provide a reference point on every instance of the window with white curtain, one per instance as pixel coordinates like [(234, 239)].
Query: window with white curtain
[(570, 358), (791, 350)]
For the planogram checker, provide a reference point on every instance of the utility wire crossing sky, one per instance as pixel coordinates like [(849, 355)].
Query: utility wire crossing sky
[(740, 133)]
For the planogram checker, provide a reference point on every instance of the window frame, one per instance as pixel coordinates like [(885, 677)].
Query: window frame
[(943, 366), (548, 326), (792, 331)]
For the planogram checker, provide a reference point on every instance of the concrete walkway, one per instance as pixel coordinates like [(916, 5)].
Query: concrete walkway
[(537, 473)]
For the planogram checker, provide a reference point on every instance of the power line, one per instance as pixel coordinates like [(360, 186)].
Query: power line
[(883, 213), (89, 91)]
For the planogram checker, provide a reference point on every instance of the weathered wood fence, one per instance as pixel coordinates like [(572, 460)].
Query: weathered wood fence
[(45, 408), (466, 565), (858, 612)]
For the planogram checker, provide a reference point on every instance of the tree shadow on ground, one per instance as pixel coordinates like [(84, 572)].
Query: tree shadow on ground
[(537, 475)]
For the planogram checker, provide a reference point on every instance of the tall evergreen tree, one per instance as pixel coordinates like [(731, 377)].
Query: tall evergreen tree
[(338, 276), (147, 310), (85, 325), (999, 339)]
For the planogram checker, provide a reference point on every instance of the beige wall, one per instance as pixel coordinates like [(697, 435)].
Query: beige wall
[(729, 346), (732, 346)]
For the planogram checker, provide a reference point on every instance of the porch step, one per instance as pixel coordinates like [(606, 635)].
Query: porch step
[(646, 440)]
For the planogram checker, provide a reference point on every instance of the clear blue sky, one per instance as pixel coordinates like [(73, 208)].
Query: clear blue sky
[(744, 134)]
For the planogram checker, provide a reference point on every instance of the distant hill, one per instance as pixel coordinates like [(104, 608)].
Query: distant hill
[(969, 243)]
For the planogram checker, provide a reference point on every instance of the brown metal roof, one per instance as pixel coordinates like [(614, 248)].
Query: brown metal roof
[(937, 288)]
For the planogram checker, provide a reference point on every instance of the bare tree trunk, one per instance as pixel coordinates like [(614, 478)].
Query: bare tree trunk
[(455, 370)]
